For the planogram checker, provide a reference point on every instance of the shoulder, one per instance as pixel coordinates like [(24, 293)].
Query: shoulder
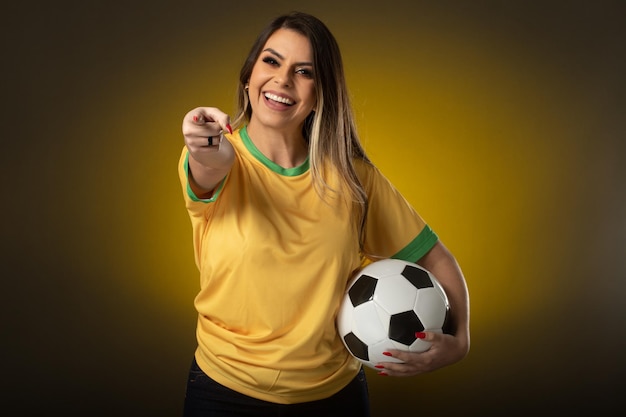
[(368, 173), (364, 168)]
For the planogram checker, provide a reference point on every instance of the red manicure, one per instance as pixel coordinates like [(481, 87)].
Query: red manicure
[(379, 367), (387, 354), (230, 129), (420, 335), (195, 118), (382, 374)]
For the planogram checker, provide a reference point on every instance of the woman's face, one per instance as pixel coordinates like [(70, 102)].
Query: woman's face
[(281, 86)]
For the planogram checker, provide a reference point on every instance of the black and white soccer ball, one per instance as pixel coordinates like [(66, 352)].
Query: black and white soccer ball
[(385, 304)]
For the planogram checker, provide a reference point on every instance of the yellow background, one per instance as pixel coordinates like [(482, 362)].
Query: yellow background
[(501, 121)]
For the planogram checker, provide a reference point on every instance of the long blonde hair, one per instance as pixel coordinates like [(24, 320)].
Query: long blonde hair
[(331, 129)]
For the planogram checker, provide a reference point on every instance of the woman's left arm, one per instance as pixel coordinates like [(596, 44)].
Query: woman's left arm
[(449, 348)]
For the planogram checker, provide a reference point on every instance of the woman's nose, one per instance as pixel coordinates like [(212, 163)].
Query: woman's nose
[(283, 77)]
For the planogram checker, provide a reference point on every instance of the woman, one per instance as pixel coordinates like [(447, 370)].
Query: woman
[(284, 211)]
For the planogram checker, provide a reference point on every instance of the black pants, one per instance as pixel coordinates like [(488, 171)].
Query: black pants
[(207, 398)]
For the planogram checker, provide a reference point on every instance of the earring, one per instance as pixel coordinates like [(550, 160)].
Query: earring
[(245, 87)]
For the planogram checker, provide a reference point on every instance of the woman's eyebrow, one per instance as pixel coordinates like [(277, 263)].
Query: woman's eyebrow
[(272, 51)]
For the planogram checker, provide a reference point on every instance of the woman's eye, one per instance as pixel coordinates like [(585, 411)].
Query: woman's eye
[(270, 60), (305, 71)]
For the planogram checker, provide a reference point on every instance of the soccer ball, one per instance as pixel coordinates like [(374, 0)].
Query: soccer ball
[(385, 304)]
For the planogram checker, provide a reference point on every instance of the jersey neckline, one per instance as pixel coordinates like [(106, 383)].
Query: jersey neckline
[(256, 153)]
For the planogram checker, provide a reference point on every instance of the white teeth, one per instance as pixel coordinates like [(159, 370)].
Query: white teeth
[(279, 99)]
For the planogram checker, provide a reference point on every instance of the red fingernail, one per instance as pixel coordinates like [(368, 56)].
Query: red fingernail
[(420, 335), (195, 118), (383, 374), (379, 367), (230, 129), (387, 354)]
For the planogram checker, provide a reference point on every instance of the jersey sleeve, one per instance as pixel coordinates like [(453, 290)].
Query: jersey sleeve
[(394, 229), (188, 194)]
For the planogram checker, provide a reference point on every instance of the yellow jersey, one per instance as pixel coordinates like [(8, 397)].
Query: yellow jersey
[(274, 260)]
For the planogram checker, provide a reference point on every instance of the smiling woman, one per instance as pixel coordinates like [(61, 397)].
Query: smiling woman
[(284, 210), (281, 90)]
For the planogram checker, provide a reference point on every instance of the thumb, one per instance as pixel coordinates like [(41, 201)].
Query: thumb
[(426, 336)]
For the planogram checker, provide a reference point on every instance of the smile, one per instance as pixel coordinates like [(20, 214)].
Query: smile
[(279, 99)]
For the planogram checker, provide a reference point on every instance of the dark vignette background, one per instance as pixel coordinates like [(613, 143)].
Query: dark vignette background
[(502, 122)]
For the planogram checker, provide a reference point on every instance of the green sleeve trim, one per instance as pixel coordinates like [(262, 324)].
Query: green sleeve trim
[(190, 192), (419, 246)]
